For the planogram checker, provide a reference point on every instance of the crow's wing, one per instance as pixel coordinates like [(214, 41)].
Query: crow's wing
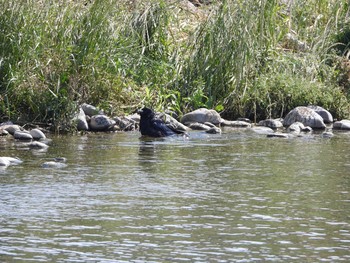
[(160, 126)]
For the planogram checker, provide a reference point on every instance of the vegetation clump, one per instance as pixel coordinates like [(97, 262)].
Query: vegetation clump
[(245, 58)]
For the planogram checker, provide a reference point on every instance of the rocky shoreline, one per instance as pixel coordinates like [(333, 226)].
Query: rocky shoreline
[(299, 121)]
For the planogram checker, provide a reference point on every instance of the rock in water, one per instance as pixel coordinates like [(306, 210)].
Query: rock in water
[(37, 134), (202, 115), (23, 135), (306, 116), (101, 123)]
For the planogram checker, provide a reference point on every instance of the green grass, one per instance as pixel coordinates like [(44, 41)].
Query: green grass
[(230, 55)]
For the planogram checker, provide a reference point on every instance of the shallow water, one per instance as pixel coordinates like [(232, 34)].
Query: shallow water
[(235, 197)]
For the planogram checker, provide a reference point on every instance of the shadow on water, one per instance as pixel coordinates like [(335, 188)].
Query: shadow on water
[(237, 197)]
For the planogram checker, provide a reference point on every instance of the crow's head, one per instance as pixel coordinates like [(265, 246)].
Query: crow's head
[(146, 113)]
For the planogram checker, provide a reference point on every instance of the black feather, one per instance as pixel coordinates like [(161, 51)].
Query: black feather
[(151, 125)]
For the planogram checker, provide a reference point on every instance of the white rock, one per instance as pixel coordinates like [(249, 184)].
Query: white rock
[(7, 161), (37, 134)]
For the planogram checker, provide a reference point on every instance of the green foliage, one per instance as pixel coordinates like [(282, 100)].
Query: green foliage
[(233, 56)]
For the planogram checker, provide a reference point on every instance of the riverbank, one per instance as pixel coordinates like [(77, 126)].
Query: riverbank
[(242, 61)]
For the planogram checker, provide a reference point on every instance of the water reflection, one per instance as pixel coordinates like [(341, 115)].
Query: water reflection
[(234, 197)]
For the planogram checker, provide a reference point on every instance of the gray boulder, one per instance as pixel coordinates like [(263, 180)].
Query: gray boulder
[(91, 110), (201, 115), (125, 123), (11, 128), (306, 116), (325, 114), (23, 135), (342, 125), (173, 124), (37, 134), (101, 123), (80, 118)]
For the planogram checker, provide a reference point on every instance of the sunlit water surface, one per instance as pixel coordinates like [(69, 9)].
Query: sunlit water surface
[(235, 197)]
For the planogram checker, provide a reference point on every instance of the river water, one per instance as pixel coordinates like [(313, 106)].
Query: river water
[(235, 197)]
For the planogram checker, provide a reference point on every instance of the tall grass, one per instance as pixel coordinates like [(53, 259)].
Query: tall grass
[(120, 55), (240, 63)]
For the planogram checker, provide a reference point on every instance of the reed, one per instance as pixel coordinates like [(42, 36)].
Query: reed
[(235, 56)]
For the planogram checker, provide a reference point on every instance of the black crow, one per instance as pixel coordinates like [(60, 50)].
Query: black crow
[(151, 125)]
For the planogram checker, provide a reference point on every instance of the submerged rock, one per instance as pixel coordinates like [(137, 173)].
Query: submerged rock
[(271, 123), (59, 162), (38, 145), (7, 161), (236, 124), (214, 130), (198, 126), (261, 130), (278, 135), (298, 127)]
